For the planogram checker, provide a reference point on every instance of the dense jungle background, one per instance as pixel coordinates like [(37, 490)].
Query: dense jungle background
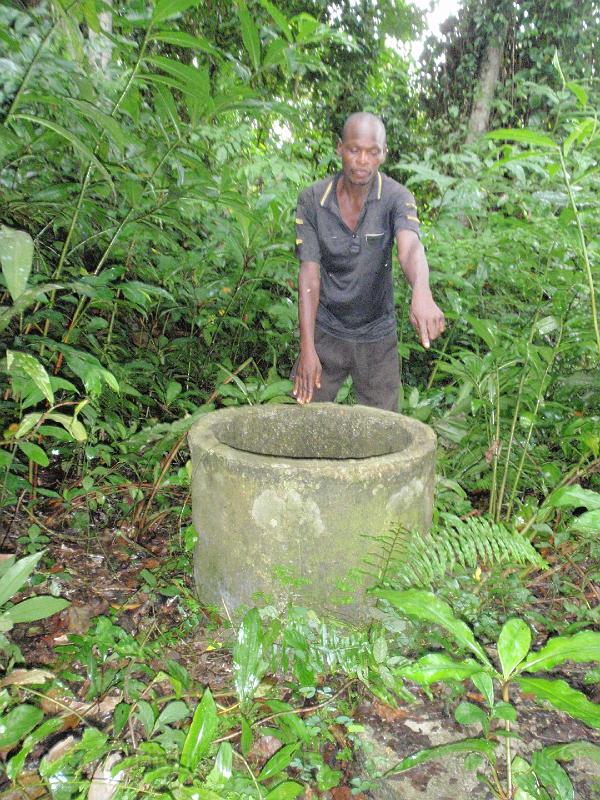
[(151, 155)]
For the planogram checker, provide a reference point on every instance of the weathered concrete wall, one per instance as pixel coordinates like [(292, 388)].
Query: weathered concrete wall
[(299, 492)]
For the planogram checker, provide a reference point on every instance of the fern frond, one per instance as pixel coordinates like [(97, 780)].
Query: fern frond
[(413, 559)]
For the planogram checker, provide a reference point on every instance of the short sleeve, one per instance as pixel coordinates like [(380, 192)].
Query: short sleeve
[(307, 240), (404, 213)]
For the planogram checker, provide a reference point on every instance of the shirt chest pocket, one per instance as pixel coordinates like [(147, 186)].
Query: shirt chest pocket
[(375, 240)]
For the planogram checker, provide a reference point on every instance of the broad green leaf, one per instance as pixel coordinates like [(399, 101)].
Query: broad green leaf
[(28, 365), (221, 772), (487, 749), (77, 144), (287, 790), (484, 683), (574, 497), (6, 563), (246, 737), (170, 8), (504, 711), (275, 389), (280, 761), (589, 522), (571, 750), (172, 712), (145, 714), (16, 257), (250, 35), (17, 575), (580, 648), (24, 300), (513, 645), (552, 776), (562, 696), (280, 19), (424, 606), (248, 666), (17, 724), (72, 425), (182, 39), (27, 424), (201, 733), (191, 80), (173, 390), (522, 135), (35, 453), (15, 766), (103, 121), (36, 608), (470, 714), (579, 92), (439, 667), (485, 328)]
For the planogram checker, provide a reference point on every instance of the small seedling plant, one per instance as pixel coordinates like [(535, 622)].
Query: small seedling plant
[(508, 775)]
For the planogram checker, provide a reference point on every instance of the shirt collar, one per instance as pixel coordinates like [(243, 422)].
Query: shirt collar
[(329, 193)]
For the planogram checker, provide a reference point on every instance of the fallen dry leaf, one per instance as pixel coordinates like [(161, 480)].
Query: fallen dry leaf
[(60, 749), (104, 784), (263, 748), (388, 713), (23, 677)]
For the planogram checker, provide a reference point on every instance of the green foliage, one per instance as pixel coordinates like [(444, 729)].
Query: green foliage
[(14, 574), (513, 651), (422, 559)]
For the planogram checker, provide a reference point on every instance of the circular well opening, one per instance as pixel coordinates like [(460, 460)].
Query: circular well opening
[(315, 431)]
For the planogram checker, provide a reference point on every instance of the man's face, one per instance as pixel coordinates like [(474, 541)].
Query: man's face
[(362, 152)]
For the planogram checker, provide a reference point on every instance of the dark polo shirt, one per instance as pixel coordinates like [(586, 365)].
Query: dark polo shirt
[(356, 300)]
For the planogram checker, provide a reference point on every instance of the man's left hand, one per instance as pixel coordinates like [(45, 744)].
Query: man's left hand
[(426, 317)]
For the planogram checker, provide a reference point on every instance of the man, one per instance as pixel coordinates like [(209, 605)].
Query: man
[(345, 230)]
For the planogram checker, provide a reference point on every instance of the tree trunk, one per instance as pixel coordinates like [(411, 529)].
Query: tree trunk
[(486, 84)]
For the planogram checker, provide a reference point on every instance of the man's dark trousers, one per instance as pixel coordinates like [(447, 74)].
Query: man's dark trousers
[(373, 366)]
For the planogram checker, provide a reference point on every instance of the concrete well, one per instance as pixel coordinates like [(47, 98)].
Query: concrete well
[(287, 499)]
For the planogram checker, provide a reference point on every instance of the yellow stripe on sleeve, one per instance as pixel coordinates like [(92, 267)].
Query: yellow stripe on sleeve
[(299, 241)]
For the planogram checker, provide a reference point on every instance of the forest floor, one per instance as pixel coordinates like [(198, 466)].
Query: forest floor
[(146, 588)]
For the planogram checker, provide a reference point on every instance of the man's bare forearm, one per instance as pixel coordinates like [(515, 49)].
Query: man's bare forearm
[(414, 264), (309, 282)]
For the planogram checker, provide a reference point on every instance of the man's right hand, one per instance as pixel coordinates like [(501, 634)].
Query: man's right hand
[(308, 376)]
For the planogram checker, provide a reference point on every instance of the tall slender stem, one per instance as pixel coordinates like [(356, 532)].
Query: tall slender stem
[(32, 64), (584, 250)]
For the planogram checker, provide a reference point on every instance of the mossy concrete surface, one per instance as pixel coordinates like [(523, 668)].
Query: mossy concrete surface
[(287, 500)]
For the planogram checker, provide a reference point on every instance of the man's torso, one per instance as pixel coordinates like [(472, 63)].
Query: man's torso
[(356, 294)]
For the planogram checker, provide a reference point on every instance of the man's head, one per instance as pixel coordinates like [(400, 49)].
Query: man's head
[(362, 147)]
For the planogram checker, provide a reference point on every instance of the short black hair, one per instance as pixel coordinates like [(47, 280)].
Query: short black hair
[(363, 116)]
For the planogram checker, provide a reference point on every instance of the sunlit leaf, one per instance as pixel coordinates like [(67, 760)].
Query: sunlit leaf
[(563, 697), (17, 575), (201, 733), (27, 364), (36, 608), (278, 762), (522, 135), (421, 605), (35, 453), (16, 256), (574, 497), (250, 35), (164, 9), (580, 648), (482, 746), (17, 723), (513, 645), (77, 144), (248, 666)]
